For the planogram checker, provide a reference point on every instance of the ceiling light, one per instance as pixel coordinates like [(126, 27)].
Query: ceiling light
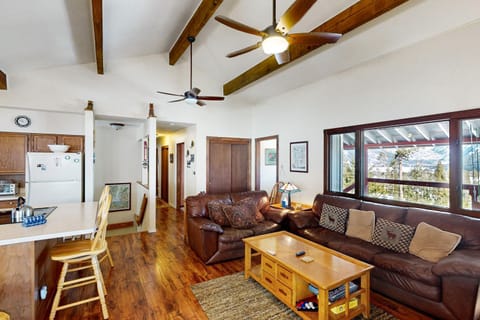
[(190, 100), (117, 125), (274, 44)]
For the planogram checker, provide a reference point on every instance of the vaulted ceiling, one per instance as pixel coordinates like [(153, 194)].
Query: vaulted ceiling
[(51, 33)]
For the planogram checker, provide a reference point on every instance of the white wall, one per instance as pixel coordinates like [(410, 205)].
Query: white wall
[(117, 160), (43, 121), (268, 173), (434, 76)]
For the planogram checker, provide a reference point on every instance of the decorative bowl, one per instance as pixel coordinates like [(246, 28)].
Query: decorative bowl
[(58, 148)]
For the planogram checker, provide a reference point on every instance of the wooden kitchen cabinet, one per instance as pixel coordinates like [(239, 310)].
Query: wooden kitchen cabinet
[(13, 147), (8, 204), (40, 142)]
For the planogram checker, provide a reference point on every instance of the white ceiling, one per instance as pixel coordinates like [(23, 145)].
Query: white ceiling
[(36, 34)]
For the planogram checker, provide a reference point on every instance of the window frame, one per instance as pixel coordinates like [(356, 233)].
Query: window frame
[(455, 163)]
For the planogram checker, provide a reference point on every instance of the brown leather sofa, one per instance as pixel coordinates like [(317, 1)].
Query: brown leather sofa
[(447, 289), (214, 243)]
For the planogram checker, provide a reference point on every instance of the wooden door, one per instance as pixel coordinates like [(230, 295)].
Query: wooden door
[(164, 166), (180, 175), (13, 147), (228, 165)]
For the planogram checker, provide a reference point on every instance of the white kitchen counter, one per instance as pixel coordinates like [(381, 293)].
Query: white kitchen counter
[(72, 219)]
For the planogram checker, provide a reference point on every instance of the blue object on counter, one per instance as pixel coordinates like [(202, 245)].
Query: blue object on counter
[(33, 221)]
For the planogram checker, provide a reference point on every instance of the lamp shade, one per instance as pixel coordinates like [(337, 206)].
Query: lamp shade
[(289, 187)]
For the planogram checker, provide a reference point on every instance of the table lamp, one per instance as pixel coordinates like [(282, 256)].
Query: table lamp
[(289, 188)]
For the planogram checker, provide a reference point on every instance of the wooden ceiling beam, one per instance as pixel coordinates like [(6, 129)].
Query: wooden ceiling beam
[(3, 80), (351, 18), (97, 17), (201, 16)]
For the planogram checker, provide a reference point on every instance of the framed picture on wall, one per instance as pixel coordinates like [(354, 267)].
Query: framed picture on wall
[(299, 156), (121, 195), (270, 156)]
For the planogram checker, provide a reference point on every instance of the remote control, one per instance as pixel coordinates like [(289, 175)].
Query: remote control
[(271, 252), (300, 253)]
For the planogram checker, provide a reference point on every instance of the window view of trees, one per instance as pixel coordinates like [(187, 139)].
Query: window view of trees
[(400, 167)]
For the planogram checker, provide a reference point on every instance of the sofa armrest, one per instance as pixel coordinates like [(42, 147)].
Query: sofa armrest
[(276, 215), (303, 219), (211, 226), (459, 263), (201, 238)]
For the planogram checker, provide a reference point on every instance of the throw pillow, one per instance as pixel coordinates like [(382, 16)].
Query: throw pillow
[(240, 216), (392, 235), (251, 201), (432, 244), (360, 224), (333, 218), (215, 212)]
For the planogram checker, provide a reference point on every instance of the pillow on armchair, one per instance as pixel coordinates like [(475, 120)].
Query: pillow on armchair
[(241, 216), (216, 214)]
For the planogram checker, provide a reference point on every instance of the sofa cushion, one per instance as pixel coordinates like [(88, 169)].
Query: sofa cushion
[(338, 201), (387, 212), (360, 224), (333, 218), (260, 198), (266, 226), (465, 226), (321, 235), (215, 211), (392, 235), (408, 265), (390, 283), (241, 216), (431, 243), (357, 248), (234, 235)]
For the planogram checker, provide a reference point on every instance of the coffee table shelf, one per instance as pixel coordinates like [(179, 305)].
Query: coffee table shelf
[(287, 277)]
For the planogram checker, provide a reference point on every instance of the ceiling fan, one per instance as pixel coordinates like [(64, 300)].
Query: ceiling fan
[(192, 95), (275, 38)]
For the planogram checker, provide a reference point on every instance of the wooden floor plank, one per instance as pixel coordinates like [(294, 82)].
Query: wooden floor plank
[(154, 271)]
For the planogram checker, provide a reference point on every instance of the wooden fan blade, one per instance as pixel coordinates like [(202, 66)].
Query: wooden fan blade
[(282, 57), (211, 98), (176, 100), (171, 94), (240, 26), (244, 50), (200, 103), (293, 14), (316, 38)]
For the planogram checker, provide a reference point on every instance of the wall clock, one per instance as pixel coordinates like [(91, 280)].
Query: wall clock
[(23, 121)]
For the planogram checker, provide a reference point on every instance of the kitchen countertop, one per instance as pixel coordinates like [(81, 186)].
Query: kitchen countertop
[(12, 197), (70, 219)]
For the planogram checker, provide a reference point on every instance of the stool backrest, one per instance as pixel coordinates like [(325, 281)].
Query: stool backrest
[(101, 232)]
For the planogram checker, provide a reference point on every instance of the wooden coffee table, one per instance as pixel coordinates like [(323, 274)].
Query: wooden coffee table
[(270, 259)]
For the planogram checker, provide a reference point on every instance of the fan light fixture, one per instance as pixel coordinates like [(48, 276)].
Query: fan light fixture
[(274, 44), (117, 125), (191, 100)]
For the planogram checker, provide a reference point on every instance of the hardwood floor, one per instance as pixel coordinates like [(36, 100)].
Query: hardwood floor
[(153, 273)]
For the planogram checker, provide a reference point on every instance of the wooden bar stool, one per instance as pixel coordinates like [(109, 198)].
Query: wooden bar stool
[(80, 255), (103, 197)]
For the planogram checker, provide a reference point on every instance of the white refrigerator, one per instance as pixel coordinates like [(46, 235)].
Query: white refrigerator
[(53, 178)]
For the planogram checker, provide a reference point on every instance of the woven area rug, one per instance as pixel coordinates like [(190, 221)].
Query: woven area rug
[(233, 297)]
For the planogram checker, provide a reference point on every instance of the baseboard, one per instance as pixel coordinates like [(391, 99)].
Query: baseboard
[(120, 225)]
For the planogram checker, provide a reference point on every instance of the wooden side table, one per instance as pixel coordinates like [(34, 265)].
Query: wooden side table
[(296, 206)]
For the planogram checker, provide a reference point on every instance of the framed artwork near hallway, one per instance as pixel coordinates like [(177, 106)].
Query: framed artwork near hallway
[(121, 196), (299, 156)]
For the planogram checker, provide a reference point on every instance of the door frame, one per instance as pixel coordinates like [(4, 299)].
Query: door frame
[(257, 159), (180, 175), (164, 175)]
